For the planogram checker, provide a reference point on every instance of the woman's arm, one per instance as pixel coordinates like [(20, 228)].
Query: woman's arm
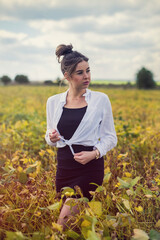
[(107, 135), (51, 136), (108, 138)]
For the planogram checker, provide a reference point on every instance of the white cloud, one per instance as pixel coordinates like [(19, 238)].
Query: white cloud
[(6, 34), (117, 36), (56, 9), (29, 3)]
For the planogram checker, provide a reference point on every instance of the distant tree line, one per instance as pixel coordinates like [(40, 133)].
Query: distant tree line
[(20, 79), (5, 80), (23, 79), (58, 82), (144, 80)]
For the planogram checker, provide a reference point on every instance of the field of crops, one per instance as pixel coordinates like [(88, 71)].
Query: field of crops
[(127, 206)]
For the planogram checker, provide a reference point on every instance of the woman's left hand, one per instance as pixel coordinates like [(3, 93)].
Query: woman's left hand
[(85, 156)]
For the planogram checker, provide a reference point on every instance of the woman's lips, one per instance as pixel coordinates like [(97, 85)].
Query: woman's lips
[(85, 83)]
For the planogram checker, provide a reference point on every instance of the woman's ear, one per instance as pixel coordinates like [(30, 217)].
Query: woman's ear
[(66, 76)]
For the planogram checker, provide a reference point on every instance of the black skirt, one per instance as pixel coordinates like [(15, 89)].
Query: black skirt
[(71, 173)]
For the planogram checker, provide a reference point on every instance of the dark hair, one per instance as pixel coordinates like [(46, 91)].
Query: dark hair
[(70, 58)]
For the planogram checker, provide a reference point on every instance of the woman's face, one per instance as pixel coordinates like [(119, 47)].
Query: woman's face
[(81, 77)]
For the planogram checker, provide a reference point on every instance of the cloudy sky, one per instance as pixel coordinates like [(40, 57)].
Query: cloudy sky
[(118, 36)]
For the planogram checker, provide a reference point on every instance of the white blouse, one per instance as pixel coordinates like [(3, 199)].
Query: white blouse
[(96, 127)]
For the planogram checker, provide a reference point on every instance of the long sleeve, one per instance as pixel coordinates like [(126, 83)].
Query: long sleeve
[(49, 126), (108, 138)]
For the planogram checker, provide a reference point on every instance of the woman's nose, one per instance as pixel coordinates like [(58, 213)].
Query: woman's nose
[(85, 75)]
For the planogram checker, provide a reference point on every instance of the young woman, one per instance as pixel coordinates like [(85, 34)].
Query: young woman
[(80, 124)]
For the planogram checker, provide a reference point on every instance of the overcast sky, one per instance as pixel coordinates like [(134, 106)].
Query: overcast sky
[(118, 36)]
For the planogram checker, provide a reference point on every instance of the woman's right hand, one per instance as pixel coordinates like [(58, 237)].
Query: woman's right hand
[(54, 136)]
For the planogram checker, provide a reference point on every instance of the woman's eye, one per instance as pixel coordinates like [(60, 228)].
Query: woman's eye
[(88, 70), (79, 73)]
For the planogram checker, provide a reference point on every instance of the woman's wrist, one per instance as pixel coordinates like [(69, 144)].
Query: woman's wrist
[(97, 153)]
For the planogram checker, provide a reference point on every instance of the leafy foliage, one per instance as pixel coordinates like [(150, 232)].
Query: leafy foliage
[(145, 79), (126, 206), (48, 82), (5, 80), (21, 79)]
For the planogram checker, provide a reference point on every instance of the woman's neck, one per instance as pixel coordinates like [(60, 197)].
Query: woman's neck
[(75, 94)]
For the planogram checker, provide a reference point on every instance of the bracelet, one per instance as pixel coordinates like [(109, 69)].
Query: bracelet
[(97, 153)]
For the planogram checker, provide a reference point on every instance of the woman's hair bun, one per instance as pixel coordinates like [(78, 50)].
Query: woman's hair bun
[(62, 50)]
